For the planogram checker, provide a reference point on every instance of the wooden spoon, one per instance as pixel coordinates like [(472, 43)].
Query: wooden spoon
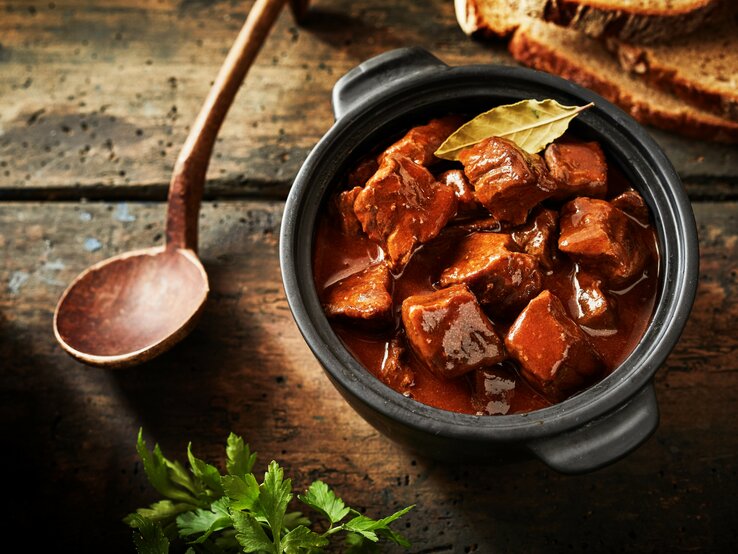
[(129, 308)]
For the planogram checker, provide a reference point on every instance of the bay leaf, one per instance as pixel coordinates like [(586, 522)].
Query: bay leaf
[(531, 124)]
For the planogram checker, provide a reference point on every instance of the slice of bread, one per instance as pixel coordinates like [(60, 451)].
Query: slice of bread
[(572, 55), (702, 68), (642, 21)]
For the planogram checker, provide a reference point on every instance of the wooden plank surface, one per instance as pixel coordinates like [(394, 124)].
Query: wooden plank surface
[(95, 100), (69, 431), (96, 97)]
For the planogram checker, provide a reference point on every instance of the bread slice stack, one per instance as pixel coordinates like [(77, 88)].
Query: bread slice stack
[(672, 64)]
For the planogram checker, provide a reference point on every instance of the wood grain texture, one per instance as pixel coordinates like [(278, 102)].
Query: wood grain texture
[(96, 97), (69, 430)]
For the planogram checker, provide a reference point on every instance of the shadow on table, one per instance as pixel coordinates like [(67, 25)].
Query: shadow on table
[(647, 502), (209, 383), (353, 35)]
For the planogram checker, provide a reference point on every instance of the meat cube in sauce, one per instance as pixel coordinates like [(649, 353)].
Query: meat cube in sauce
[(507, 181), (580, 168), (419, 143), (395, 372), (592, 306), (553, 352), (498, 390), (494, 389), (403, 206), (603, 240), (632, 204), (456, 179), (504, 280), (362, 297), (538, 237), (449, 332), (363, 171), (344, 203)]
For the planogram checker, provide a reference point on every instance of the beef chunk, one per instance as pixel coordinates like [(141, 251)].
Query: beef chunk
[(395, 372), (553, 352), (494, 390), (632, 204), (592, 307), (603, 240), (580, 168), (421, 142), (449, 333), (538, 237), (456, 179), (362, 172), (507, 181), (498, 390), (364, 296), (503, 279), (344, 203), (403, 206)]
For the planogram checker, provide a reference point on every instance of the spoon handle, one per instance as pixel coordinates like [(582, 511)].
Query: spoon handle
[(188, 178)]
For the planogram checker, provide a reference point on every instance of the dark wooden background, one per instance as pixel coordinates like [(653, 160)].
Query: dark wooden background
[(95, 100)]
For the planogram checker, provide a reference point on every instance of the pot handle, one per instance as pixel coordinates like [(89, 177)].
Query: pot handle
[(604, 440), (376, 73)]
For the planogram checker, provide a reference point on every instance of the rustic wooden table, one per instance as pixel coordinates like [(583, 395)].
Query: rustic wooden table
[(95, 99)]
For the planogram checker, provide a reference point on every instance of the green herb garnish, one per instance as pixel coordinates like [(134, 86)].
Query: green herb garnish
[(207, 512)]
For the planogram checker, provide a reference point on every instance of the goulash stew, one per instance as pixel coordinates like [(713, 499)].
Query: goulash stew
[(502, 283)]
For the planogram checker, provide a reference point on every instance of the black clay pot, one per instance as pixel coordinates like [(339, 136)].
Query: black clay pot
[(390, 93)]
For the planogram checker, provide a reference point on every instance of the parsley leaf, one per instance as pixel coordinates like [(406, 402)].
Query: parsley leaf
[(148, 536), (240, 460), (160, 511), (302, 538), (293, 519), (274, 495), (158, 473), (323, 499), (250, 534), (208, 475), (359, 545), (179, 475), (385, 521), (368, 528), (205, 521), (243, 491), (363, 526), (395, 537)]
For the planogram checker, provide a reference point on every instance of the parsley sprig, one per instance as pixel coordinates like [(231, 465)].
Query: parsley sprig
[(208, 512)]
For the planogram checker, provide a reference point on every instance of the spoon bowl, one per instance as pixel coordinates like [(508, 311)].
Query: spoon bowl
[(129, 308)]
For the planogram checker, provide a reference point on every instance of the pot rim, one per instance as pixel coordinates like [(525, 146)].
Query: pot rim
[(667, 200)]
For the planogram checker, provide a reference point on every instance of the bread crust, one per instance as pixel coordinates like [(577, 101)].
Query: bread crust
[(482, 18), (637, 24), (694, 124)]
